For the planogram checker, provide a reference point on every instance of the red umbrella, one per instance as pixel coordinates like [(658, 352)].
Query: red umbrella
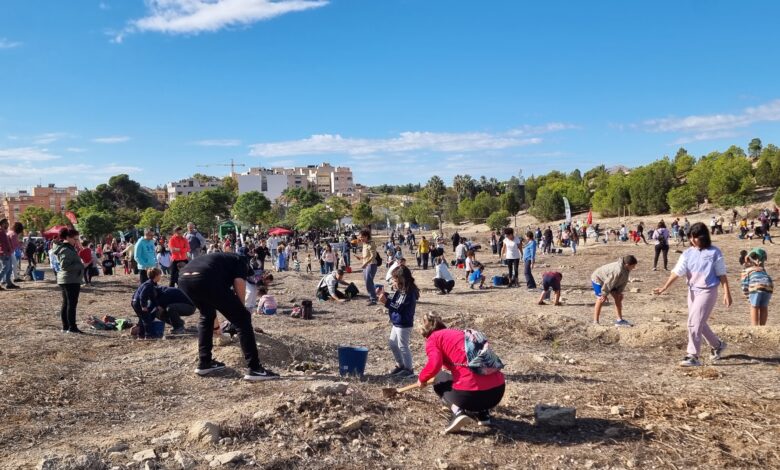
[(279, 231), (53, 232), (590, 217)]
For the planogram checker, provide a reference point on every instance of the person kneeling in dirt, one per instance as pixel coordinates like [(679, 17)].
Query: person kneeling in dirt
[(551, 281), (612, 279), (175, 304), (217, 282), (146, 304), (328, 288), (443, 279), (469, 395)]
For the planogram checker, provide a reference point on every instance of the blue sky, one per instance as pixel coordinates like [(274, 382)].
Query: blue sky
[(397, 89)]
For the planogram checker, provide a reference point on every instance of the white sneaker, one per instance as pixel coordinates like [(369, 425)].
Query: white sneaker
[(716, 352)]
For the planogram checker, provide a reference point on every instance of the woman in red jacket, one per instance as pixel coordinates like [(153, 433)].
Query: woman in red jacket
[(469, 395)]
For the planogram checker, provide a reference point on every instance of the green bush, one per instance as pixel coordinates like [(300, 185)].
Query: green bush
[(682, 199), (498, 220)]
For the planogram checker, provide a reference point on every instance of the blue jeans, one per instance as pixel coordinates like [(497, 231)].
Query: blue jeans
[(529, 276), (368, 275), (346, 257), (5, 269)]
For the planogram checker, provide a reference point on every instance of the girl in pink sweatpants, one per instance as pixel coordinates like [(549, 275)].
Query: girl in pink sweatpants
[(704, 267)]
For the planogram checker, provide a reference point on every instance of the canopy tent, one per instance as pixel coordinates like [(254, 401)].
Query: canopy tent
[(280, 231), (228, 227), (53, 232)]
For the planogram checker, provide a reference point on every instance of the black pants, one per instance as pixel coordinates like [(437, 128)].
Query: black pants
[(88, 274), (70, 299), (514, 270), (168, 316), (479, 400), (209, 298), (175, 272), (658, 250), (425, 257), (142, 276), (443, 286)]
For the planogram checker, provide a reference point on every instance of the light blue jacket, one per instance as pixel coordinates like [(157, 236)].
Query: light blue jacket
[(144, 254)]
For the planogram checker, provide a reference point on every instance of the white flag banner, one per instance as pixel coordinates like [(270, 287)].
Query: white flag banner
[(568, 210)]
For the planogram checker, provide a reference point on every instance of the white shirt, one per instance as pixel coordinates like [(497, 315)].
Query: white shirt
[(460, 251), (512, 249), (443, 272)]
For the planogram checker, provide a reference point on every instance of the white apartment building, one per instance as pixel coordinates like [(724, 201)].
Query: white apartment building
[(189, 186), (327, 180), (271, 185)]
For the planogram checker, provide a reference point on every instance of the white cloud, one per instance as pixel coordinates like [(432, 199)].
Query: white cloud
[(49, 137), (710, 123), (8, 44), (219, 143), (116, 139), (198, 16), (701, 136), (75, 150), (323, 144), (25, 174), (26, 154)]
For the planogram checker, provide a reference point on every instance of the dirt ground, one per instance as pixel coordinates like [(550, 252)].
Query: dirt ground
[(70, 398)]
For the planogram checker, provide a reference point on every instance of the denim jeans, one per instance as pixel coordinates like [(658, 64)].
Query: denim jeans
[(530, 282), (368, 275), (5, 269), (399, 341)]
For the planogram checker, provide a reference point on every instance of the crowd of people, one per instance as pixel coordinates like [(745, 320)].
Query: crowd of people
[(234, 274)]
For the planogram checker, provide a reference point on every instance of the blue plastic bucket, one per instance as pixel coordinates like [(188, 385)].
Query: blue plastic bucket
[(157, 330), (352, 360), (37, 275)]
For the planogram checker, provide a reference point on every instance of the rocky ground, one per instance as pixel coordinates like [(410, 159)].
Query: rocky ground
[(104, 400)]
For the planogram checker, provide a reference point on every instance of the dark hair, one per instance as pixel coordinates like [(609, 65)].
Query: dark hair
[(262, 290), (701, 233), (404, 280), (742, 255), (153, 273), (661, 224), (3, 221), (366, 232), (509, 231), (66, 233), (18, 227), (339, 272), (529, 234), (629, 260)]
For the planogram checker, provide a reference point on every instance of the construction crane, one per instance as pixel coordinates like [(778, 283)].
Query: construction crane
[(232, 166)]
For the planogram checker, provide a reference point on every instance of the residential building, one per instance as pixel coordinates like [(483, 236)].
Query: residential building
[(49, 197), (270, 184), (325, 179), (189, 186)]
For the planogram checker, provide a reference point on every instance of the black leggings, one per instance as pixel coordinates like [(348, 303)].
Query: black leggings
[(210, 298), (70, 299), (469, 400), (658, 250), (514, 270), (175, 272)]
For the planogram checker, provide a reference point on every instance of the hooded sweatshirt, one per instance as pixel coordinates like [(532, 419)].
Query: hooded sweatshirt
[(71, 269)]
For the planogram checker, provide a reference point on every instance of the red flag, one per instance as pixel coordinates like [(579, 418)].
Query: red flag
[(590, 217), (72, 217)]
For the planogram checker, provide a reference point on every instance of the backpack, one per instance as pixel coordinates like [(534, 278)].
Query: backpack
[(378, 260), (482, 360)]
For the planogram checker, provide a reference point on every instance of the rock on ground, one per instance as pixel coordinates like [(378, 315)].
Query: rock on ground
[(555, 416), (328, 388), (204, 431), (147, 454), (228, 457), (184, 461)]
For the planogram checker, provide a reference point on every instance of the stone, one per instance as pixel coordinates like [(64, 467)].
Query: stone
[(554, 416), (539, 358), (442, 464), (330, 424), (118, 447), (228, 457), (147, 454), (48, 463), (167, 438), (635, 290), (612, 432), (658, 319), (352, 425), (204, 431), (704, 415), (116, 455), (328, 388), (88, 462), (617, 410)]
